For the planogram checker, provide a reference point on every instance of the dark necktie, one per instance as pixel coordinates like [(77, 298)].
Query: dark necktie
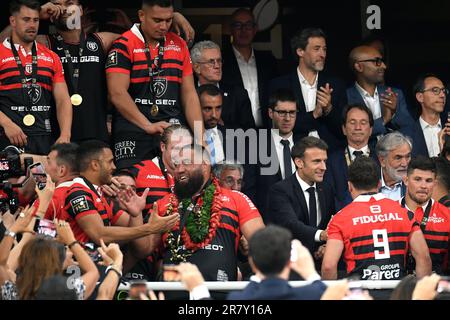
[(312, 207), (357, 154), (286, 158)]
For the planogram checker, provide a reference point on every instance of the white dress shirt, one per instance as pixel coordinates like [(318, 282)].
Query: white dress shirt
[(394, 192), (365, 150), (249, 75), (309, 93), (373, 103), (430, 132), (218, 146), (305, 187), (279, 148)]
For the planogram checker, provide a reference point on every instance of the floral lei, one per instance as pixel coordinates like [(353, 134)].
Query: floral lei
[(201, 223)]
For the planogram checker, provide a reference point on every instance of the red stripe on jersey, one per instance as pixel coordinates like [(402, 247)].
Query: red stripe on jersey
[(19, 86), (228, 214), (87, 213), (224, 225)]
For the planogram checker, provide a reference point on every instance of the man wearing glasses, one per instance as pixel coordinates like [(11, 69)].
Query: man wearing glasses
[(280, 140), (246, 67), (431, 95), (387, 104), (207, 64)]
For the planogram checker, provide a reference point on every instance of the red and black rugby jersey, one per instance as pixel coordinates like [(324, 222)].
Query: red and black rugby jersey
[(81, 200), (127, 55), (12, 98), (218, 260), (375, 232)]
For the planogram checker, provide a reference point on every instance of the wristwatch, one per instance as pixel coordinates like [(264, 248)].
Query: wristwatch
[(10, 233)]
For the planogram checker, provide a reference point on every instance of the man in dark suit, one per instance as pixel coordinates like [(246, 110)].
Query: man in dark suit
[(302, 203), (273, 150), (431, 95), (215, 135), (388, 105), (246, 67), (271, 260), (207, 65), (357, 127), (320, 97)]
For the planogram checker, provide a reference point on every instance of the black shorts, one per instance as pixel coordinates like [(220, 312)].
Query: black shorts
[(39, 145), (131, 148)]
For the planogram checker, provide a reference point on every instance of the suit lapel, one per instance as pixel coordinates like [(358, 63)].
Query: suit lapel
[(297, 89), (354, 95), (321, 196), (300, 196)]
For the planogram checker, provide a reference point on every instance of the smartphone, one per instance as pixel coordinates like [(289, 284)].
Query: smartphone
[(443, 285), (38, 173), (45, 227), (93, 253), (169, 274)]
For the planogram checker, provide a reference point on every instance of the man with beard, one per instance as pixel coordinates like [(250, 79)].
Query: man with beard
[(387, 104), (150, 82), (373, 233), (320, 97), (213, 218), (431, 94), (394, 154), (83, 56), (432, 216), (31, 78), (91, 216)]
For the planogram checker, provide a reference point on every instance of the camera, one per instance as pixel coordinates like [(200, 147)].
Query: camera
[(443, 285), (92, 251), (10, 163), (45, 227)]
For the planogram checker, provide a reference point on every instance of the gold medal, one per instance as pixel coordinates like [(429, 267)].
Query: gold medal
[(76, 99), (154, 110), (29, 120)]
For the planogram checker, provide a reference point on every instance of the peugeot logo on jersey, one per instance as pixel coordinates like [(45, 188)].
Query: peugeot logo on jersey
[(92, 46), (35, 92), (159, 86)]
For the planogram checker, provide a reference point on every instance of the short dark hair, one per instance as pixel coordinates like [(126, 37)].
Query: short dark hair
[(15, 5), (281, 95), (124, 173), (419, 85), (209, 89), (55, 288), (159, 3), (361, 107), (298, 150), (67, 155), (421, 163), (270, 249), (88, 151), (301, 37), (239, 10), (364, 173), (443, 171)]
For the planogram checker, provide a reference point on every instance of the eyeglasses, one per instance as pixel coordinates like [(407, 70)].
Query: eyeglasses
[(230, 181), (212, 62), (378, 61), (246, 26), (284, 113), (437, 91)]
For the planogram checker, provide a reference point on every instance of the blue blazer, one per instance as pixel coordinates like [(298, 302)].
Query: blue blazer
[(278, 289), (401, 118), (337, 176), (415, 132)]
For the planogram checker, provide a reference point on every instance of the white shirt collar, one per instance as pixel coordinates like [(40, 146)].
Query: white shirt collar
[(303, 184), (7, 44), (137, 33), (425, 124), (367, 197), (212, 131), (383, 184), (277, 138), (364, 149), (239, 55), (304, 81), (364, 93)]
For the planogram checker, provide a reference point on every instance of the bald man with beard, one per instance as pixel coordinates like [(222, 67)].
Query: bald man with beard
[(387, 104)]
